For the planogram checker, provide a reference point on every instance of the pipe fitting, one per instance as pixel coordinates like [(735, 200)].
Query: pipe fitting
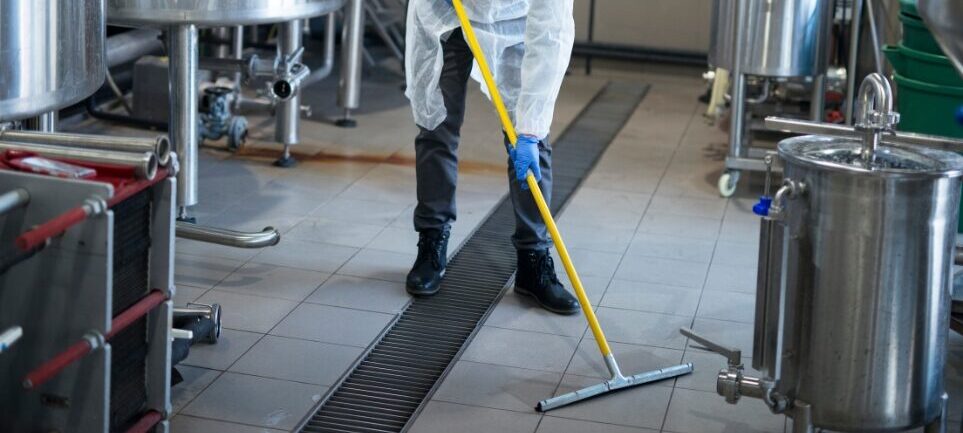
[(789, 191), (289, 83)]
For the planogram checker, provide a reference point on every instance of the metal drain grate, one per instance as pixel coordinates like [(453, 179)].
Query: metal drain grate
[(385, 391)]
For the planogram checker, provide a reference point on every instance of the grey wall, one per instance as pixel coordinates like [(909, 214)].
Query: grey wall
[(663, 24)]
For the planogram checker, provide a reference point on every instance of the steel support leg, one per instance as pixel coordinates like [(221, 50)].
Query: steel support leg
[(802, 419), (288, 112), (818, 103), (183, 120), (738, 115), (940, 424), (45, 122), (352, 45), (237, 42), (855, 26)]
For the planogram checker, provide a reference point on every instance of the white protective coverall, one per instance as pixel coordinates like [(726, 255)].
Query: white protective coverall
[(528, 44)]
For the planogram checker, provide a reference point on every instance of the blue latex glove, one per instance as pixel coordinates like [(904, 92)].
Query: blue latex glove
[(525, 158)]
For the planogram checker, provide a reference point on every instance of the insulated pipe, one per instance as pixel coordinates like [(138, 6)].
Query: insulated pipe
[(289, 110), (129, 46), (159, 145), (14, 199), (49, 369), (327, 65), (183, 120), (352, 58), (144, 164), (265, 238)]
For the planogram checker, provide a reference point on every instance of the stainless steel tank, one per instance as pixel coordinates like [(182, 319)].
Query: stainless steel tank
[(51, 54), (215, 12), (783, 38), (865, 260)]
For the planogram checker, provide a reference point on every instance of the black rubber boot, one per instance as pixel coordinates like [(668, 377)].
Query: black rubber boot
[(536, 278), (425, 276)]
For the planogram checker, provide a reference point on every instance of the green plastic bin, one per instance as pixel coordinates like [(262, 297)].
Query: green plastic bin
[(917, 36), (929, 108), (925, 67), (909, 7)]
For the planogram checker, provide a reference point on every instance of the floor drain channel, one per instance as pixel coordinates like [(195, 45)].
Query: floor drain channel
[(385, 391)]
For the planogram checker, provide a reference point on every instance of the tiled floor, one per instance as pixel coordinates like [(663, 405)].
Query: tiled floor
[(656, 246), (661, 251), (298, 315)]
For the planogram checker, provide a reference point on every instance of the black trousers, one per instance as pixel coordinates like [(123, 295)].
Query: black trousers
[(436, 165)]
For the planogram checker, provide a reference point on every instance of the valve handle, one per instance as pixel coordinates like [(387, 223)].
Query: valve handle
[(762, 207), (733, 355), (959, 115)]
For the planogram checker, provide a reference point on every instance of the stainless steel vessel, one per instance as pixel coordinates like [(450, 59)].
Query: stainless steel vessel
[(945, 19), (51, 52), (783, 38), (215, 12), (855, 276), (867, 253)]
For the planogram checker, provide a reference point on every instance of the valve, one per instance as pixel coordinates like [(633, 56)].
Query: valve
[(732, 383), (765, 200)]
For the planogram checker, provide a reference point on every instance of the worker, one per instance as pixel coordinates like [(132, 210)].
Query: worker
[(529, 43)]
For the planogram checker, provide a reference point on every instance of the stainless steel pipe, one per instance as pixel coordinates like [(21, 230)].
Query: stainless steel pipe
[(737, 116), (159, 145), (352, 58), (13, 199), (897, 138), (327, 64), (288, 111), (129, 46), (855, 27), (265, 238), (44, 122), (144, 164), (183, 119)]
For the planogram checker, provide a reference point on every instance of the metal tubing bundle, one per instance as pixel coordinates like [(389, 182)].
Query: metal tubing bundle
[(160, 146), (143, 164)]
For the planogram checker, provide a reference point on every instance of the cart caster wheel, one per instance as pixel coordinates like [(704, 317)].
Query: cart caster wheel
[(215, 333), (727, 183), (237, 133)]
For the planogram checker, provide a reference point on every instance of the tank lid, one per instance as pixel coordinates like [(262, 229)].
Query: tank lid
[(833, 153)]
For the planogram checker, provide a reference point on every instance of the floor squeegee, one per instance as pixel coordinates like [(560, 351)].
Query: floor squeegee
[(618, 380)]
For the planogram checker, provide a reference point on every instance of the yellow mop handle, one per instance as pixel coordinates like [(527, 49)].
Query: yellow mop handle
[(583, 299)]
